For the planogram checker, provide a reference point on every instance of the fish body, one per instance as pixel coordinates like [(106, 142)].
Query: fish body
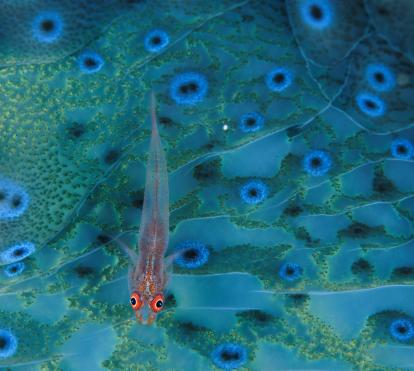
[(147, 277)]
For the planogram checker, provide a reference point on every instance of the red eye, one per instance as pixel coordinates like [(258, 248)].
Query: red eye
[(157, 303), (135, 300)]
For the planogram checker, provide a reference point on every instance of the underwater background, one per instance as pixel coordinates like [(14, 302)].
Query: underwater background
[(288, 129)]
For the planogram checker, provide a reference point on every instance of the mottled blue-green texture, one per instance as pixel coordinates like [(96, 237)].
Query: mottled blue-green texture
[(288, 131)]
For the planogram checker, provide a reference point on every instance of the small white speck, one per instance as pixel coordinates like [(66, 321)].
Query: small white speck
[(225, 127)]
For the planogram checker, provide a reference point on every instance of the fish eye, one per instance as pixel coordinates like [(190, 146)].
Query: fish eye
[(157, 303), (135, 301)]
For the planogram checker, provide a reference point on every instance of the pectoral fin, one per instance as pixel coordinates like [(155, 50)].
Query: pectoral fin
[(129, 252)]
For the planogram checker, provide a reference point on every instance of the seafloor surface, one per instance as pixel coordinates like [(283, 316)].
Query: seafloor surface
[(287, 127)]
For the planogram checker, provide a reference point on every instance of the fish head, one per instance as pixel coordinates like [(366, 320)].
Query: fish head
[(146, 306)]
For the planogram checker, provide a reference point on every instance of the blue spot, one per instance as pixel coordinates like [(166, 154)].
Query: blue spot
[(195, 254), (17, 252), (229, 356), (253, 192), (251, 122), (317, 163), (380, 77), (14, 200), (290, 271), (370, 104), (14, 269), (156, 40), (9, 344), (278, 79), (90, 62), (317, 14), (402, 329), (47, 27), (402, 148), (188, 88)]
